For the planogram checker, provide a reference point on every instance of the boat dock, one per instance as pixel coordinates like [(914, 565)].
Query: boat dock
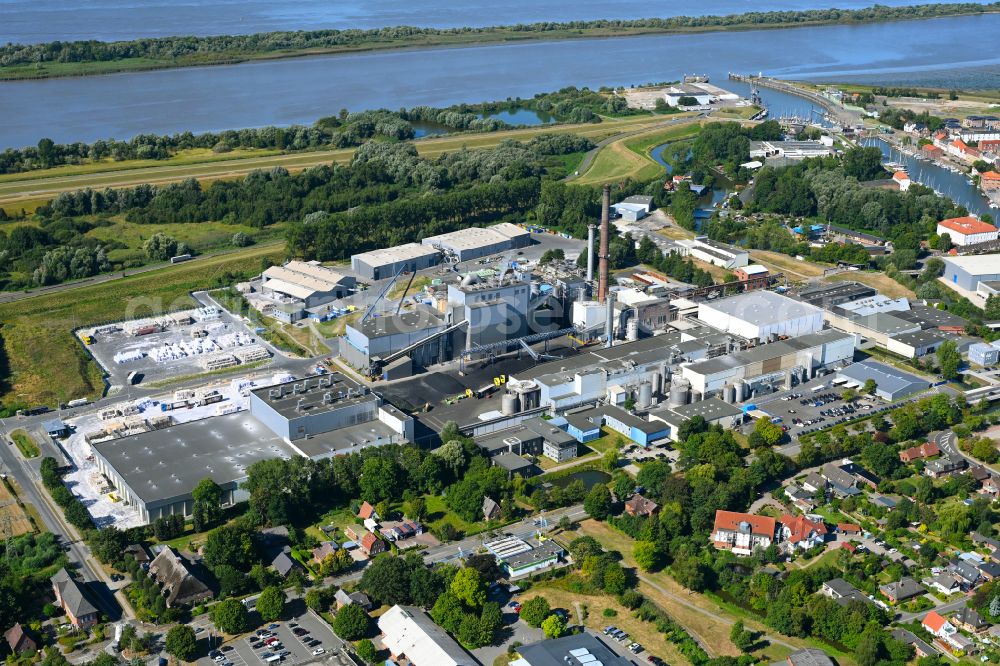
[(835, 113)]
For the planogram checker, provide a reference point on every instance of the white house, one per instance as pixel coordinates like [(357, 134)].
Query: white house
[(967, 230), (902, 179)]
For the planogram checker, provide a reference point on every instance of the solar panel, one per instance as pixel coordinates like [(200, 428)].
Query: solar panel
[(579, 651)]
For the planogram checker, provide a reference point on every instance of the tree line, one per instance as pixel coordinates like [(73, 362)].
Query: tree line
[(219, 48)]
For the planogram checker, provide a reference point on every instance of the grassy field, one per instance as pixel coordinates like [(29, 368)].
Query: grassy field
[(202, 237), (777, 262), (48, 365), (14, 520), (629, 157), (880, 281), (28, 190), (25, 443)]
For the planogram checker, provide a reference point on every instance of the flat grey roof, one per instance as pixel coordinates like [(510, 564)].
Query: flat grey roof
[(829, 295), (391, 255), (312, 392), (512, 462), (419, 319), (929, 317), (777, 349), (884, 322), (710, 409), (761, 307), (167, 463), (343, 440), (556, 651), (921, 338), (888, 378)]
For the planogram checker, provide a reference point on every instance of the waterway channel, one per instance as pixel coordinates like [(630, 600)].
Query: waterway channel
[(300, 90)]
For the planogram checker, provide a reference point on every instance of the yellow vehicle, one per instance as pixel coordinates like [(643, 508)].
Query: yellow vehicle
[(88, 339)]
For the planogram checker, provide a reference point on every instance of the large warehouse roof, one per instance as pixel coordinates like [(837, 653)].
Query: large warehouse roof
[(167, 463), (391, 255), (407, 630), (476, 237), (889, 380), (979, 264), (761, 307), (765, 352), (305, 277), (313, 395)]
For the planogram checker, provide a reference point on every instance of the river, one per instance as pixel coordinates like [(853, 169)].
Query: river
[(33, 21), (300, 90)]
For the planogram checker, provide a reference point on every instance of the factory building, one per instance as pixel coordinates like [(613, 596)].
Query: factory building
[(790, 150), (634, 208), (985, 354), (829, 296), (387, 262), (381, 336), (476, 242), (307, 282), (155, 472), (891, 384), (715, 253), (494, 310), (754, 371), (970, 272), (760, 315), (713, 410)]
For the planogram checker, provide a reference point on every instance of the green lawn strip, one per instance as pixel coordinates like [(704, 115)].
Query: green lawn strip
[(25, 444)]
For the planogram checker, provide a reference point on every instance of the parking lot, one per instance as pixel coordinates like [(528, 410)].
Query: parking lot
[(287, 642)]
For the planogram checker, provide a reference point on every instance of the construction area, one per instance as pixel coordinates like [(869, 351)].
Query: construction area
[(178, 344)]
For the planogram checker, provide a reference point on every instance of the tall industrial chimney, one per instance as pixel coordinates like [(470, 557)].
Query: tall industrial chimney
[(602, 270), (590, 252)]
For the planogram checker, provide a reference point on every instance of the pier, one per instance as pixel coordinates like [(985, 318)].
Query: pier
[(836, 113)]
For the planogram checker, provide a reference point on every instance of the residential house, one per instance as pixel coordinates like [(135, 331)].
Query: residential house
[(283, 563), (883, 501), (925, 450), (372, 545), (491, 510), (71, 596), (800, 497), (366, 511), (991, 487), (813, 482), (138, 552), (902, 590), (637, 505), (982, 541), (843, 592), (324, 550), (979, 473), (969, 620), (342, 599), (989, 570), (945, 583), (405, 529), (742, 533), (946, 634), (966, 572), (19, 641), (921, 648), (842, 483), (967, 230), (411, 636), (944, 466), (802, 532), (902, 179), (176, 577), (849, 547)]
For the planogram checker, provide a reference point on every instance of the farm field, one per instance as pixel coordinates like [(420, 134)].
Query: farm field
[(880, 281), (14, 521), (47, 363), (782, 263), (25, 190)]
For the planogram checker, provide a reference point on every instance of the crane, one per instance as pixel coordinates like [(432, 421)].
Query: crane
[(385, 290)]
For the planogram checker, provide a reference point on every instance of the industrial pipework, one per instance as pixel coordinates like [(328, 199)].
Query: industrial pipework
[(602, 271), (590, 252)]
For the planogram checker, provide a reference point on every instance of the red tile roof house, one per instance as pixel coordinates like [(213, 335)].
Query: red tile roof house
[(637, 505), (367, 511), (849, 529), (947, 636), (990, 180), (742, 533), (925, 450), (967, 230), (800, 532), (372, 545)]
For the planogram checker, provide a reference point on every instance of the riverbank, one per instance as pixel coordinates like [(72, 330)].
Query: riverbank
[(98, 58)]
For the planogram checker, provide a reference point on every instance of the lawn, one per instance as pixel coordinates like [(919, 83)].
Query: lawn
[(438, 514), (48, 364), (629, 157), (777, 262), (25, 444), (202, 237), (558, 596)]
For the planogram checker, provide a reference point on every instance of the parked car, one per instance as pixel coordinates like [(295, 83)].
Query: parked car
[(318, 651), (227, 648)]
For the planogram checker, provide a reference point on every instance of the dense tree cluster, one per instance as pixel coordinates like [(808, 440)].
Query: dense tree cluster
[(74, 510)]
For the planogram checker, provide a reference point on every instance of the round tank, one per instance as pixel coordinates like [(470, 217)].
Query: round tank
[(470, 280), (729, 393), (632, 330), (680, 392), (741, 390), (788, 380), (510, 404), (645, 395)]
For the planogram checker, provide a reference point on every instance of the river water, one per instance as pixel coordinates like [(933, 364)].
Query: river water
[(32, 21), (300, 90)]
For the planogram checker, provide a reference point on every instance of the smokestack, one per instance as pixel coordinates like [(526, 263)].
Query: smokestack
[(590, 252), (609, 324), (602, 270)]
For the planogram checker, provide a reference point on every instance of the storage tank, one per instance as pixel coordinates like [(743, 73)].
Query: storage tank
[(741, 390), (632, 330), (788, 380), (645, 395), (680, 392), (527, 393), (729, 393), (510, 404)]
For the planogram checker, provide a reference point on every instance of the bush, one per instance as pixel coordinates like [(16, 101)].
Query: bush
[(534, 611), (609, 612), (351, 622)]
